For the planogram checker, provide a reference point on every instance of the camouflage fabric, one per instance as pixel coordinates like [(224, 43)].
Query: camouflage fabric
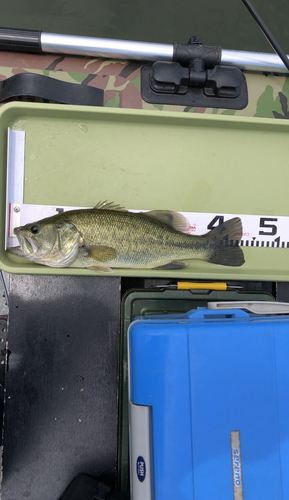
[(120, 80)]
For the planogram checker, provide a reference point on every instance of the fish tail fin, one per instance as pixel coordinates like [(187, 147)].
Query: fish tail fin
[(224, 240)]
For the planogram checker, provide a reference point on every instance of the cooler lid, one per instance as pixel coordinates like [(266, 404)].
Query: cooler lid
[(217, 382)]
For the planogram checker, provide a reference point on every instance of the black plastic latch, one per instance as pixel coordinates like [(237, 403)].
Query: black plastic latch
[(169, 78), (224, 81), (197, 79)]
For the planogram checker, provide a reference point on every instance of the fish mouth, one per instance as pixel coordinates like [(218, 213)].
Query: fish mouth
[(27, 244), (15, 251)]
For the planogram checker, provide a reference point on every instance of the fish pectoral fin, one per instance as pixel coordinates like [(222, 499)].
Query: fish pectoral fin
[(101, 253), (175, 264), (101, 269), (105, 205), (173, 219)]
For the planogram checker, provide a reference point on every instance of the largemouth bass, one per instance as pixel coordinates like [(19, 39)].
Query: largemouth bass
[(107, 237)]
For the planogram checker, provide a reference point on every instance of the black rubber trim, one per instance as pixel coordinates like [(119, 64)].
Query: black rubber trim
[(33, 85)]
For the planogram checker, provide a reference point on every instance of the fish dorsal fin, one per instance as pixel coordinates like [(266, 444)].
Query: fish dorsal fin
[(105, 205), (173, 219)]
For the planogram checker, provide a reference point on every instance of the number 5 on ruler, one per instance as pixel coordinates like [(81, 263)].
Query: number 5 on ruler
[(265, 223)]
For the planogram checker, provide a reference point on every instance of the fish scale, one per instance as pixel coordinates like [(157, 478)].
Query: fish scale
[(138, 239)]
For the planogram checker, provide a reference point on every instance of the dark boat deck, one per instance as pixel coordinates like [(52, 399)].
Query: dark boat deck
[(61, 384)]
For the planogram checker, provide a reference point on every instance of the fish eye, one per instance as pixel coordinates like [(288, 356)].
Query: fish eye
[(34, 229)]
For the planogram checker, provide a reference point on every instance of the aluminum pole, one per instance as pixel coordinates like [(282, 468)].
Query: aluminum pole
[(145, 51), (38, 42), (105, 47), (253, 61)]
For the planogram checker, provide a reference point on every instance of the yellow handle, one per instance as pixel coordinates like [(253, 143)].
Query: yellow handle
[(186, 285)]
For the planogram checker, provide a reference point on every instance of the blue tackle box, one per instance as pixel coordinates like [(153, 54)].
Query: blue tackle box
[(209, 406)]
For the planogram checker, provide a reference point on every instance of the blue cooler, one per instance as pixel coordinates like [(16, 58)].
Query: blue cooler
[(209, 406)]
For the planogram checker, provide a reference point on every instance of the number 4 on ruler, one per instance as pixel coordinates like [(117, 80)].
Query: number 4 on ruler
[(219, 219)]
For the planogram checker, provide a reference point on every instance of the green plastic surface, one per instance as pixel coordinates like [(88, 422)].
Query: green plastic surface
[(148, 160), (147, 302)]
